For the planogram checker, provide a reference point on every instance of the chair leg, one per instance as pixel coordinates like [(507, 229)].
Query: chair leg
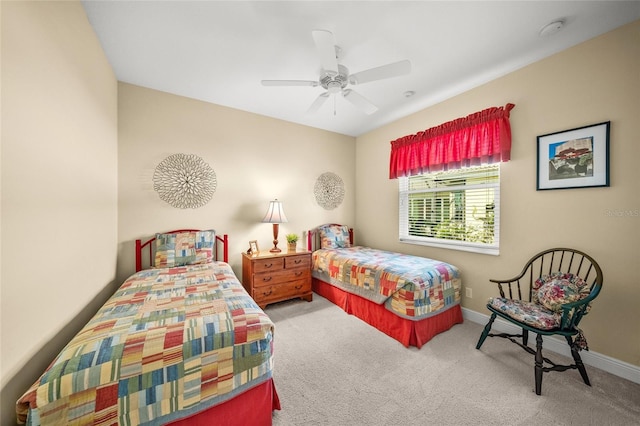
[(525, 337), (578, 360), (485, 332), (538, 367)]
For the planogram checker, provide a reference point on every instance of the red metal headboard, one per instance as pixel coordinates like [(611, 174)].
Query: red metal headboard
[(312, 242), (140, 246)]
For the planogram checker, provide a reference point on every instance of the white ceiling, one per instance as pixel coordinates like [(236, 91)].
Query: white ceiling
[(219, 51)]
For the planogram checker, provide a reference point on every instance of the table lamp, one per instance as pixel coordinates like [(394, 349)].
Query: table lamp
[(275, 215)]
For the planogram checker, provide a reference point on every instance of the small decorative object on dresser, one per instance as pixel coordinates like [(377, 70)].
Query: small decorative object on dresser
[(271, 278), (253, 248), (292, 242)]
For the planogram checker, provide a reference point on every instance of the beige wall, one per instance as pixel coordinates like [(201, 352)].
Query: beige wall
[(59, 186), (255, 158), (594, 82)]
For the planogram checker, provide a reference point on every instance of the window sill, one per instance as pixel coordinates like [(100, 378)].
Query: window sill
[(473, 248)]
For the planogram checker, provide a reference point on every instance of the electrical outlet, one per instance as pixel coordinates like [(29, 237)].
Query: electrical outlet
[(468, 292)]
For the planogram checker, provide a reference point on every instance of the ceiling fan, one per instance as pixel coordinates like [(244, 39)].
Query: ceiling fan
[(335, 77)]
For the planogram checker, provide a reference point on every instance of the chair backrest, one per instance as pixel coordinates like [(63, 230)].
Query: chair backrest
[(568, 261)]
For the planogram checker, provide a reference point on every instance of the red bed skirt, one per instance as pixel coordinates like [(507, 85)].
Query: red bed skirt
[(407, 332), (253, 407)]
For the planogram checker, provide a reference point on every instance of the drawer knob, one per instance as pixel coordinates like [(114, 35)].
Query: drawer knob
[(298, 287), (267, 293), (297, 260), (268, 265), (298, 274), (266, 279)]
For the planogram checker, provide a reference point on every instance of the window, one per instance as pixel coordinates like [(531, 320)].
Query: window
[(457, 209)]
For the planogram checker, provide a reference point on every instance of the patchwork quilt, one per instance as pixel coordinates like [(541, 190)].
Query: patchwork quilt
[(169, 343), (410, 286)]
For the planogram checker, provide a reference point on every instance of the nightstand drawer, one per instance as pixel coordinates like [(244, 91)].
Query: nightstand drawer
[(301, 261), (268, 264), (281, 291), (272, 277), (277, 277)]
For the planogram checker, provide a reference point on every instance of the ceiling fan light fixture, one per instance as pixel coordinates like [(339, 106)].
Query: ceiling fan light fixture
[(334, 87), (335, 83)]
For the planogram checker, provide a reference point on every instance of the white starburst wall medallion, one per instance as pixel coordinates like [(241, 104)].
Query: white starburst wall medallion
[(184, 181), (329, 190)]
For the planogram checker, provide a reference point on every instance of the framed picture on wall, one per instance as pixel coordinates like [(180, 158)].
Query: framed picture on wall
[(575, 158)]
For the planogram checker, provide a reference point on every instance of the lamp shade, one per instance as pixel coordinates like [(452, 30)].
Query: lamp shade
[(275, 214)]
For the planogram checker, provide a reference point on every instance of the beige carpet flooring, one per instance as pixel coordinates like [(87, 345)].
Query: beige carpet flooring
[(333, 369)]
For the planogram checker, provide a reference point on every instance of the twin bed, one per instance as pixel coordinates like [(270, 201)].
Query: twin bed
[(181, 343), (407, 297)]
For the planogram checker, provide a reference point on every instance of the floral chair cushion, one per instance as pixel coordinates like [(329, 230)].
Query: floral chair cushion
[(532, 314), (554, 290), (554, 294)]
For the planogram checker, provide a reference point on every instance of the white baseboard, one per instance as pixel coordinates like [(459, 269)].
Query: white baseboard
[(610, 365)]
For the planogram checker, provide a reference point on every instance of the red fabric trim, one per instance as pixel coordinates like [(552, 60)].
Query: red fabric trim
[(482, 137), (407, 332), (253, 407)]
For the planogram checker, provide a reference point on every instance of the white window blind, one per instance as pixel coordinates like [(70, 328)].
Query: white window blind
[(457, 209)]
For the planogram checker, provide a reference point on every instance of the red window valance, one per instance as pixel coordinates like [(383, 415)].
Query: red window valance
[(482, 137)]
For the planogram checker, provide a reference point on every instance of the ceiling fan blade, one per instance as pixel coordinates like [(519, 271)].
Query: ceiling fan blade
[(385, 71), (320, 100), (359, 101), (326, 46), (289, 83)]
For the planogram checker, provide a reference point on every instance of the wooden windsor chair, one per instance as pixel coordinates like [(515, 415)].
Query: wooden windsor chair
[(549, 297)]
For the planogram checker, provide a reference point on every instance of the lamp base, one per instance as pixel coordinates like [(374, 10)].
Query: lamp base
[(275, 248)]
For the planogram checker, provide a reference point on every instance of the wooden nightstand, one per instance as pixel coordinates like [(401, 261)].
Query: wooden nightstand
[(273, 277)]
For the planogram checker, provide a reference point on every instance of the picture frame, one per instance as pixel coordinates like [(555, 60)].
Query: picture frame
[(574, 158), (253, 247)]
